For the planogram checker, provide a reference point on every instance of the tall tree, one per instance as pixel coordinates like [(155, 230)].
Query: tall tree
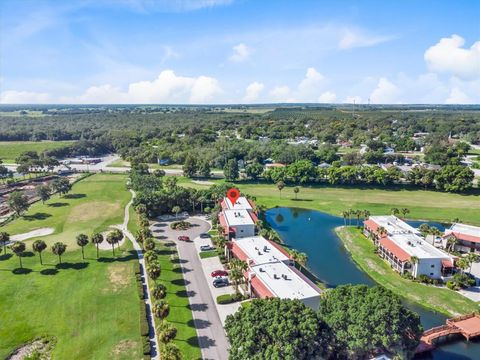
[(61, 185), (58, 249), (161, 309), (43, 192), (114, 237), (4, 239), (97, 239), (190, 166), (176, 210), (82, 241), (230, 170), (296, 190), (280, 187), (154, 270), (38, 246), (18, 249), (17, 202)]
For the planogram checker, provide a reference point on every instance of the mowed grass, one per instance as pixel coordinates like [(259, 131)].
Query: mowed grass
[(93, 205), (363, 253), (423, 204), (10, 150), (90, 307), (180, 312)]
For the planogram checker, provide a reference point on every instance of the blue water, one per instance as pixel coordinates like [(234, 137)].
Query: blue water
[(312, 232)]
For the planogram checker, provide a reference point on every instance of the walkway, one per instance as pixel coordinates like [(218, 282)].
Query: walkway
[(466, 325), (211, 335), (146, 288)]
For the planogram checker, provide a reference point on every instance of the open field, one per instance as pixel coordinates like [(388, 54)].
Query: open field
[(423, 205), (10, 150), (443, 300), (29, 113), (93, 205), (180, 313)]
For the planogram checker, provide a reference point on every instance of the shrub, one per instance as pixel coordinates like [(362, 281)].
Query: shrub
[(451, 285), (229, 298), (144, 331), (166, 332), (159, 291), (146, 345), (180, 225)]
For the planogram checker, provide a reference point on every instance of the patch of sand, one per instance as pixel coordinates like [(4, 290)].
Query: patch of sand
[(203, 182), (119, 276), (32, 234), (106, 246), (123, 348)]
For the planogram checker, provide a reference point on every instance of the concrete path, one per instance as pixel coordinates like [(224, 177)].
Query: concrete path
[(211, 335), (146, 288)]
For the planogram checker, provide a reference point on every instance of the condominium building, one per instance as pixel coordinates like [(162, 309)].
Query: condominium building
[(466, 238)]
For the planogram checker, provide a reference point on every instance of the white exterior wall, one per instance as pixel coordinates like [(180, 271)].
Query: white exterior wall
[(244, 231), (424, 266)]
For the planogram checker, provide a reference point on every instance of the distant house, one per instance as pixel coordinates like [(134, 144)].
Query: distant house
[(467, 237)]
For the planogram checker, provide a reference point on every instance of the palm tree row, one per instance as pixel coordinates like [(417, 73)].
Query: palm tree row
[(348, 214), (395, 211)]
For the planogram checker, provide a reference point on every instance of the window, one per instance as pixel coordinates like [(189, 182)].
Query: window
[(431, 274), (432, 266)]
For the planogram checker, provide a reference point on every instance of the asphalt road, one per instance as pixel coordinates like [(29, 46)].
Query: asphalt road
[(211, 335)]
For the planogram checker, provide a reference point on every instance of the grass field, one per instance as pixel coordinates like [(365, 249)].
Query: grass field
[(363, 253), (423, 205), (90, 306), (10, 150), (180, 313), (93, 204)]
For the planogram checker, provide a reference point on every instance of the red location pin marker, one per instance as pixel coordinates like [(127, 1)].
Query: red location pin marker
[(233, 195)]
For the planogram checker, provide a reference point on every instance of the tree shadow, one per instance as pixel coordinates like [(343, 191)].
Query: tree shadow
[(178, 270), (21, 271), (180, 282), (185, 293), (58, 204), (202, 341), (160, 225), (49, 272), (198, 307), (166, 252), (27, 254), (300, 199), (179, 261), (74, 266), (37, 216), (5, 256), (161, 237), (74, 196), (199, 323)]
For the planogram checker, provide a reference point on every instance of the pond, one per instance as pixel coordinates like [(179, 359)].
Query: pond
[(312, 232)]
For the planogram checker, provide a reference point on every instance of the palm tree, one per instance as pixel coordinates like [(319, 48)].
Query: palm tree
[(161, 309), (451, 242), (414, 262), (366, 214), (463, 264), (280, 186), (4, 239), (82, 240), (236, 275), (382, 231), (150, 256), (18, 248), (471, 258), (114, 237), (58, 249), (358, 213), (350, 213), (159, 291), (166, 333), (395, 211), (170, 351), (176, 209), (154, 270), (96, 239), (296, 190), (405, 211), (345, 215), (302, 258), (38, 246)]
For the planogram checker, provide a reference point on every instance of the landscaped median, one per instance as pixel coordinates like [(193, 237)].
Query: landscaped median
[(439, 299)]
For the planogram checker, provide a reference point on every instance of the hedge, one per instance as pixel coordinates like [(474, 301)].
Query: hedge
[(229, 298)]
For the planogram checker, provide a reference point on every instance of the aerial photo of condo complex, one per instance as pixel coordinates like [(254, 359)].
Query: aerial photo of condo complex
[(239, 180)]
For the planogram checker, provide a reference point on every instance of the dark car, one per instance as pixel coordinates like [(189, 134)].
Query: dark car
[(206, 248), (220, 282), (218, 273), (205, 236), (183, 238)]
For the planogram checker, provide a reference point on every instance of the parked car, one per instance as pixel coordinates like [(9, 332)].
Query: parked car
[(206, 248), (205, 236), (218, 273), (183, 238), (220, 282)]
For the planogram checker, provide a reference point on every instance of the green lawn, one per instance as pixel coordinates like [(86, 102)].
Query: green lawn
[(363, 253), (180, 313), (10, 150), (93, 205)]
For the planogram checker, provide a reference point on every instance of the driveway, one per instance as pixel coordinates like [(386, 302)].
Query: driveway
[(211, 335)]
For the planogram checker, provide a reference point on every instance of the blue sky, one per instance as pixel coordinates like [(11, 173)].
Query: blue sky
[(239, 51)]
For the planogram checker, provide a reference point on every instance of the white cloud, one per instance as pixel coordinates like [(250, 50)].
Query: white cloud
[(386, 92), (240, 53), (166, 88), (280, 93), (309, 86), (252, 91), (457, 96), (352, 38), (23, 97), (449, 56), (327, 97)]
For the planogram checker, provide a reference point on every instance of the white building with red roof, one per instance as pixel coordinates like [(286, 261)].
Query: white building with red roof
[(402, 246), (467, 237)]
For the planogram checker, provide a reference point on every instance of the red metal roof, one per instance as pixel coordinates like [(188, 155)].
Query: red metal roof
[(252, 204), (238, 252), (223, 204), (396, 250), (223, 222), (464, 237), (372, 225), (260, 288), (447, 263)]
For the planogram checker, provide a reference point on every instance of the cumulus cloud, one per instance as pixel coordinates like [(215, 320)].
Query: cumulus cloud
[(457, 96), (309, 86), (327, 97), (449, 56), (253, 91), (386, 92), (241, 52), (24, 97), (166, 88), (280, 93)]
